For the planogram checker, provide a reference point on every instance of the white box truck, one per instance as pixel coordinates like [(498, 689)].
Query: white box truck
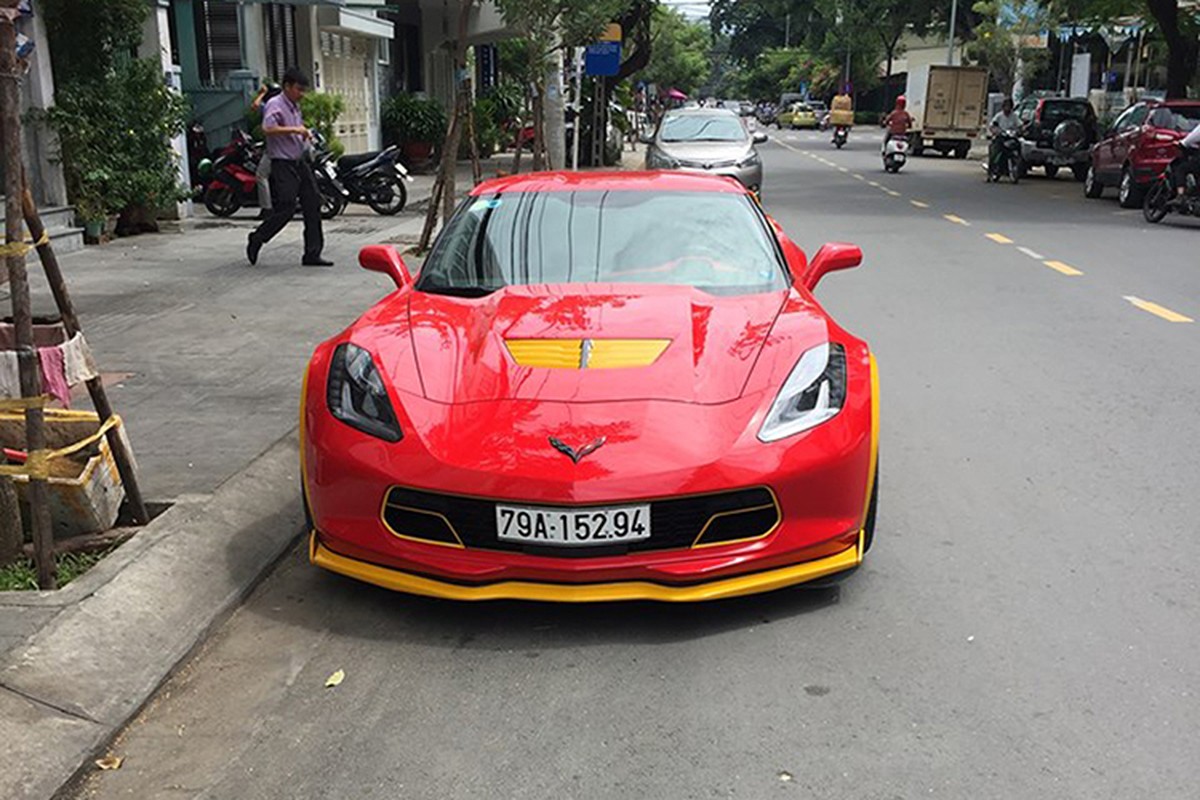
[(947, 105)]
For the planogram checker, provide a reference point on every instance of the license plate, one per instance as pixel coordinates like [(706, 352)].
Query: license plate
[(568, 527)]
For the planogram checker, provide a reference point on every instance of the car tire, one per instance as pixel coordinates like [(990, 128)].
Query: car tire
[(962, 151), (1092, 187), (1051, 171), (1130, 195), (1080, 171)]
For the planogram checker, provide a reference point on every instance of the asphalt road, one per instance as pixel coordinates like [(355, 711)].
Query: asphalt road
[(1025, 627)]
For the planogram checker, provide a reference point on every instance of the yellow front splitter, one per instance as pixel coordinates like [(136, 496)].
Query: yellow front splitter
[(767, 581)]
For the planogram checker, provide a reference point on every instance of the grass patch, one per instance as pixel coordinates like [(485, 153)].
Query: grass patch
[(21, 575)]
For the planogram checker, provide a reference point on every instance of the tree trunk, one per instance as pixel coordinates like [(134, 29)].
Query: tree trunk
[(12, 535), (539, 130), (1183, 51)]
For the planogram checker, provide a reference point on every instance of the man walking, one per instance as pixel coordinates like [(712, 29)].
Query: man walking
[(291, 173)]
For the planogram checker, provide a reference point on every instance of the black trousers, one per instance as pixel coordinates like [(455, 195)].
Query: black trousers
[(292, 181), (1181, 168)]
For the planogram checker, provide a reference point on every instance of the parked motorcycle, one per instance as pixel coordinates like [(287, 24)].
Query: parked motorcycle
[(1009, 161), (895, 153), (334, 196), (229, 178), (841, 135), (376, 179), (1163, 197)]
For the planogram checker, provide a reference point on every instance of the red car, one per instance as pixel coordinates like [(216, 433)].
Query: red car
[(598, 387), (1138, 147)]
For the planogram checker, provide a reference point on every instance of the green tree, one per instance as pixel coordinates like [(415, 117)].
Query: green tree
[(679, 55), (1006, 41), (547, 26)]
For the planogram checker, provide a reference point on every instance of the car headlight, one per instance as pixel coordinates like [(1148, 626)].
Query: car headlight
[(356, 395), (752, 160), (659, 160), (813, 393)]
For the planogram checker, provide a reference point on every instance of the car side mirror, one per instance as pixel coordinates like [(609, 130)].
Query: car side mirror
[(759, 137), (386, 259), (830, 258)]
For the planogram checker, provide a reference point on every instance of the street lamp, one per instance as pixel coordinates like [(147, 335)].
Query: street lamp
[(953, 20)]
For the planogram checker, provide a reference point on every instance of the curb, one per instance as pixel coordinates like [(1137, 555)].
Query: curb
[(75, 684)]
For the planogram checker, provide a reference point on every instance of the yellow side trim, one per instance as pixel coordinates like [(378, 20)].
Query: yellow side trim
[(874, 440), (457, 544), (585, 593)]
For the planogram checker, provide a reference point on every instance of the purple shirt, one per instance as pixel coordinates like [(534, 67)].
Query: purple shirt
[(280, 112)]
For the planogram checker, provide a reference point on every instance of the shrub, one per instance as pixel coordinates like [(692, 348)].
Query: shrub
[(116, 133), (407, 118), (321, 111)]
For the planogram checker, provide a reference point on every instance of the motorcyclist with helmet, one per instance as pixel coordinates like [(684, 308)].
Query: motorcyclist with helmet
[(898, 121)]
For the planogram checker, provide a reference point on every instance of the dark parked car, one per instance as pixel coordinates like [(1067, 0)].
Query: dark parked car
[(1057, 132), (1138, 147)]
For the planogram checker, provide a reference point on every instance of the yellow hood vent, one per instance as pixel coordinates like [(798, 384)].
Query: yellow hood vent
[(585, 353)]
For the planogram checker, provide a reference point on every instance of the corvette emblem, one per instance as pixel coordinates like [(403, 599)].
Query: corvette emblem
[(577, 455)]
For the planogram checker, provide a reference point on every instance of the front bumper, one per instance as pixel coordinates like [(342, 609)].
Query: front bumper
[(750, 177), (821, 481), (753, 583)]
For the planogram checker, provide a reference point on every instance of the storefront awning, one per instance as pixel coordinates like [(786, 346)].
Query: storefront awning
[(355, 23)]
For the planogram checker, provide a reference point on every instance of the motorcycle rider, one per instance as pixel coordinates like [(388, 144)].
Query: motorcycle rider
[(1004, 123), (1190, 163), (898, 121), (841, 112)]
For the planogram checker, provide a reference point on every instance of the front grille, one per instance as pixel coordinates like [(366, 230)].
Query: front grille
[(675, 523), (708, 164)]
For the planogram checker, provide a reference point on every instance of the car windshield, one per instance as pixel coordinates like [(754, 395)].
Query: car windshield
[(702, 128), (1054, 113), (1181, 119), (718, 242)]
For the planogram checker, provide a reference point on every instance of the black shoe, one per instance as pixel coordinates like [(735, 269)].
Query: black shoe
[(316, 262), (252, 248)]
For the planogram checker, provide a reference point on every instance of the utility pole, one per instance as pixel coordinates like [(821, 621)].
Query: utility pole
[(953, 23), (787, 31)]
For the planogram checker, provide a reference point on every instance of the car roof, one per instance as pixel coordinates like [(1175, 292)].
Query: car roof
[(661, 181)]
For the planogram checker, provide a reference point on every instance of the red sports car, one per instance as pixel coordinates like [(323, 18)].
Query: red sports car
[(598, 387)]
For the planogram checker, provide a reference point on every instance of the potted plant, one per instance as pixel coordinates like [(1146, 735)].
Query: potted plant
[(417, 123)]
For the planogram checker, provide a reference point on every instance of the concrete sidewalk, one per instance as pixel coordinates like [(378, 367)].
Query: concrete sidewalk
[(203, 356)]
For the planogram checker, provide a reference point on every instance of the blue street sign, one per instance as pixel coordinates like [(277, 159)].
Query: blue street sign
[(603, 58)]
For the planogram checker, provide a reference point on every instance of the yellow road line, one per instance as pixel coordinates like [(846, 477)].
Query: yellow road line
[(1065, 269), (919, 204), (1032, 254), (892, 193), (858, 177), (956, 219), (1157, 310), (999, 238), (842, 169), (874, 183)]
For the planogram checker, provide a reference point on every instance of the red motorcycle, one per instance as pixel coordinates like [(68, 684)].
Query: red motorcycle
[(230, 179)]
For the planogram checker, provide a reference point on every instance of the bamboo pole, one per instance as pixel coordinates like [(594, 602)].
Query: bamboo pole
[(18, 279), (66, 309)]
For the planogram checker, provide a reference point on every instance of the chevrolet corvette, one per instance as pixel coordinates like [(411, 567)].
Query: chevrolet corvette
[(598, 386)]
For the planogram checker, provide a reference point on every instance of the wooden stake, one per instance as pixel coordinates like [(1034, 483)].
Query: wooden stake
[(66, 309), (18, 279)]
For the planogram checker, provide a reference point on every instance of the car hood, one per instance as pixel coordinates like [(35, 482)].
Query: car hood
[(526, 343), (705, 151)]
